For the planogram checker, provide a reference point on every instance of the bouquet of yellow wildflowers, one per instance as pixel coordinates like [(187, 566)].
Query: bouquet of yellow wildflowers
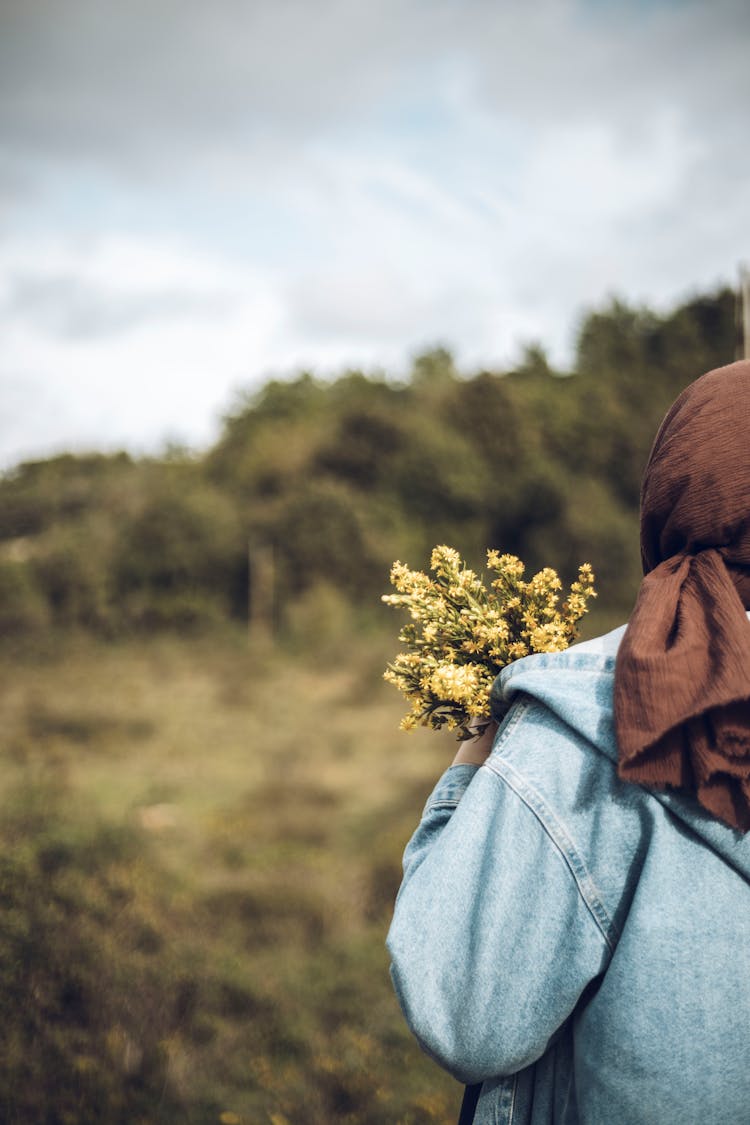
[(461, 634)]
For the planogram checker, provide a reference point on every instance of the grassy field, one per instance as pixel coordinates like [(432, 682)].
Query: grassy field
[(201, 844)]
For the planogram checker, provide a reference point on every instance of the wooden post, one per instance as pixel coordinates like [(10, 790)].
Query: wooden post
[(745, 314), (260, 591)]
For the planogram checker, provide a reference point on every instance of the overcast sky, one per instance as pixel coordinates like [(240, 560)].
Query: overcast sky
[(195, 196)]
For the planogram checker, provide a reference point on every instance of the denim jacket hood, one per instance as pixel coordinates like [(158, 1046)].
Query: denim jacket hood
[(577, 686), (577, 944)]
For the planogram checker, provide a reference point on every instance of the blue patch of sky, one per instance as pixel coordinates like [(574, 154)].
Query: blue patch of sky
[(240, 225), (456, 145), (427, 119)]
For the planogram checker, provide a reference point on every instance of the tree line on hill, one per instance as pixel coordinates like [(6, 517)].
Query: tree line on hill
[(317, 485)]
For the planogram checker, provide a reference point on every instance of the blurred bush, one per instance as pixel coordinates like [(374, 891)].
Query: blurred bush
[(179, 560), (335, 479), (87, 1011)]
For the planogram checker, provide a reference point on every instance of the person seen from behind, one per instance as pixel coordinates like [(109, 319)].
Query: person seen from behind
[(572, 935)]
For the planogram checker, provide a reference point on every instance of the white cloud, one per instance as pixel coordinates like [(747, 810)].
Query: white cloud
[(142, 379)]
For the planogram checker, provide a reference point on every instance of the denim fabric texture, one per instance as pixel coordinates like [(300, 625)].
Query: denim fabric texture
[(579, 945)]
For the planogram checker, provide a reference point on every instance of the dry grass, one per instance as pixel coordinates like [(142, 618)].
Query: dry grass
[(263, 799)]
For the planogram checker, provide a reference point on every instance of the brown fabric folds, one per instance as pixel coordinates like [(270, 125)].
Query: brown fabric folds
[(682, 679)]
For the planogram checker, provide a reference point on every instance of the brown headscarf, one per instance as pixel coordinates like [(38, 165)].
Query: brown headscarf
[(682, 679)]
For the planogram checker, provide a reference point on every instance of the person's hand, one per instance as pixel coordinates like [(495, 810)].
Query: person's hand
[(475, 751)]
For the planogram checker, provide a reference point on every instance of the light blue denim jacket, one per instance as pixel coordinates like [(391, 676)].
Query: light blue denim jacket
[(579, 945)]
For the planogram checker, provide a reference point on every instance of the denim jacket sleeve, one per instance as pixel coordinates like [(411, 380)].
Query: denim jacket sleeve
[(492, 940)]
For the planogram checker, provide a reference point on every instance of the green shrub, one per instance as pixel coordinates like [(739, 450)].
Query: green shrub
[(179, 560), (71, 569), (85, 1020)]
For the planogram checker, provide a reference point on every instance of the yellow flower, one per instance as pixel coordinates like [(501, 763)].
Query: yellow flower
[(454, 682), (455, 616)]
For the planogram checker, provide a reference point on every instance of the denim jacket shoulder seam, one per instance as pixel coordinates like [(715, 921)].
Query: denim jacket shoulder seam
[(516, 712), (561, 839)]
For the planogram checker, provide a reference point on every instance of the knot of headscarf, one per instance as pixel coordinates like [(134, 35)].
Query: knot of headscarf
[(682, 679)]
